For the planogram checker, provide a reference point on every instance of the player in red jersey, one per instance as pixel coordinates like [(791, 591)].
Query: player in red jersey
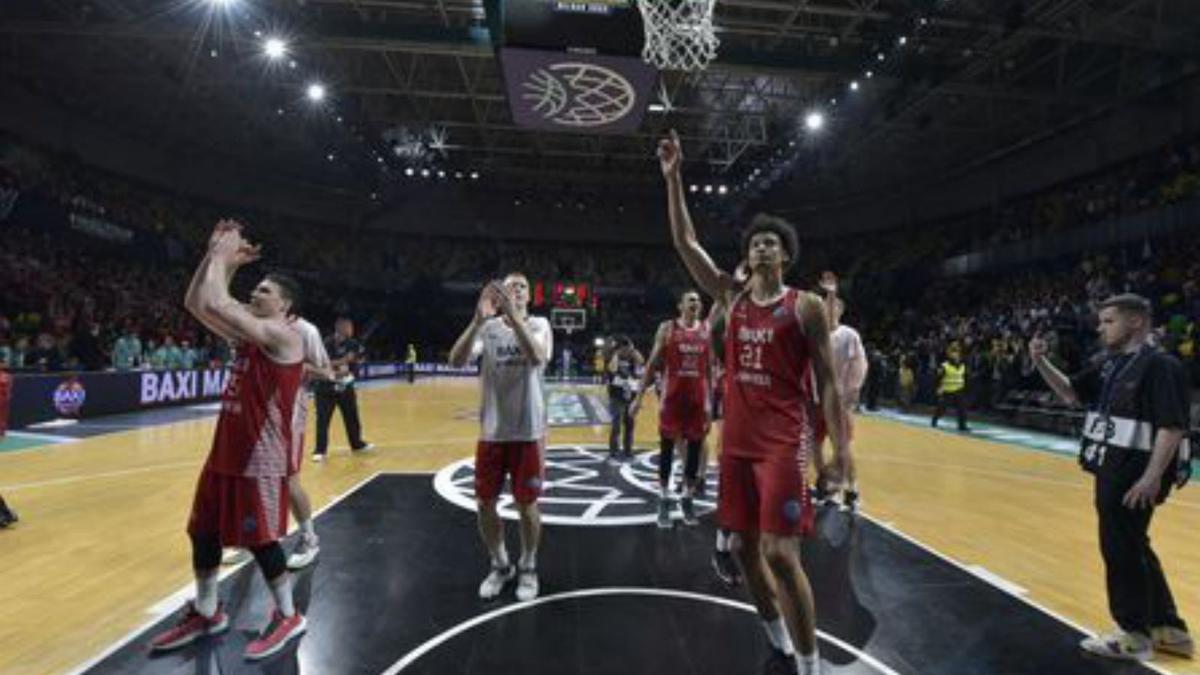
[(774, 335), (242, 495), (683, 349)]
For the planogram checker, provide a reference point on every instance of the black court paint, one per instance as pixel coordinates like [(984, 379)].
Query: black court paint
[(400, 566)]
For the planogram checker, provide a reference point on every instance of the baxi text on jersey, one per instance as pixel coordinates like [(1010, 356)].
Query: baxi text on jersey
[(182, 385), (691, 348), (758, 336)]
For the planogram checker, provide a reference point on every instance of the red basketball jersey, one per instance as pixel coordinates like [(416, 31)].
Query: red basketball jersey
[(686, 365), (767, 394), (256, 429)]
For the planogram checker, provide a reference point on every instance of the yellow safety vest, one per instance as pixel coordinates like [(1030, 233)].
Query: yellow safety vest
[(954, 378)]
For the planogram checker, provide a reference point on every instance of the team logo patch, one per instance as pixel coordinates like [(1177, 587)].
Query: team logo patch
[(580, 487), (792, 510)]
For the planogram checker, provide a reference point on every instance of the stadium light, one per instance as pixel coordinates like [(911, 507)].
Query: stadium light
[(275, 48), (329, 157), (694, 188), (424, 173), (870, 74), (474, 175), (723, 190), (902, 40), (814, 121), (708, 189), (854, 85), (880, 56), (441, 174), (316, 92)]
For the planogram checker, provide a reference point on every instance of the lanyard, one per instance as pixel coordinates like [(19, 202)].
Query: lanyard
[(1109, 386)]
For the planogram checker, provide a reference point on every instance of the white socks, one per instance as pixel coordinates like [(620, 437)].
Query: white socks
[(723, 538), (206, 595), (500, 556), (528, 560), (777, 634), (306, 528), (282, 591), (809, 664)]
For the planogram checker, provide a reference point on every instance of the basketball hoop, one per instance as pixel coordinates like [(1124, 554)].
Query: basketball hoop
[(679, 34)]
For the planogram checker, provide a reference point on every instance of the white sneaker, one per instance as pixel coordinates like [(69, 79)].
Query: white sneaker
[(1173, 640), (527, 585), (234, 556), (494, 582), (318, 457), (1120, 645), (305, 552)]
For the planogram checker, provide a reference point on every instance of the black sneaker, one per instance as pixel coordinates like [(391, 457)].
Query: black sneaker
[(7, 515), (850, 501), (689, 511), (364, 447), (781, 664), (726, 568)]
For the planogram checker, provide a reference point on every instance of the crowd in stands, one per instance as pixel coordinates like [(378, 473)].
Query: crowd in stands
[(94, 267)]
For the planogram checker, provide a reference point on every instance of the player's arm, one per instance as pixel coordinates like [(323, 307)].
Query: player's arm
[(192, 294), (811, 312), (317, 365), (536, 348), (212, 302), (700, 265), (652, 366), (485, 308)]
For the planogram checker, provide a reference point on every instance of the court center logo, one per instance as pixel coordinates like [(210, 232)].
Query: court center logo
[(577, 94), (582, 488)]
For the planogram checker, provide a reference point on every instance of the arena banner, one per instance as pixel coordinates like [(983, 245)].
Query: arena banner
[(572, 92), (41, 398)]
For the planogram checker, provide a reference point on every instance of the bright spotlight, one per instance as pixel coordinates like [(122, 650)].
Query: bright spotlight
[(708, 189), (441, 174), (316, 92), (424, 173), (222, 3), (274, 48), (903, 40), (870, 74), (724, 189), (598, 342), (814, 121), (474, 175), (409, 171), (694, 188), (854, 85)]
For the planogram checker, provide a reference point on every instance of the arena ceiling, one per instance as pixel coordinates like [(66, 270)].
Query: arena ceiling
[(953, 83)]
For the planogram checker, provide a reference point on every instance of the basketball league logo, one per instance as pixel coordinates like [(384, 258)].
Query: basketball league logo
[(577, 94), (69, 397)]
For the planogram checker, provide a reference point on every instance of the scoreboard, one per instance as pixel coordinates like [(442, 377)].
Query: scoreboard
[(611, 27), (564, 295)]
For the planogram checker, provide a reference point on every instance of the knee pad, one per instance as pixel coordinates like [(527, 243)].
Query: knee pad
[(271, 560)]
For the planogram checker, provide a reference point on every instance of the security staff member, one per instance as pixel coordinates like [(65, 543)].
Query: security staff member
[(952, 385), (1134, 444), (344, 352)]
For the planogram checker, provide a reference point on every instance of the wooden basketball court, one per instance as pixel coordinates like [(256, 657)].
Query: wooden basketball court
[(101, 550)]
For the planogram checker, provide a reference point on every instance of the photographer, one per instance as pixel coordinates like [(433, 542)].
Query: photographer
[(1134, 444), (622, 387)]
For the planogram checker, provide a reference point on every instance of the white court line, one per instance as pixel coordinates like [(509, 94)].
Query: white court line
[(161, 614), (465, 626), (1006, 588), (43, 437)]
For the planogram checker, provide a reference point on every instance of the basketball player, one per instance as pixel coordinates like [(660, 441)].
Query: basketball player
[(850, 371), (239, 498), (317, 368), (513, 349), (774, 335), (683, 349)]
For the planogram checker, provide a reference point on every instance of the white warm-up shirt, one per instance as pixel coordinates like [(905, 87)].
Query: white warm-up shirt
[(513, 405)]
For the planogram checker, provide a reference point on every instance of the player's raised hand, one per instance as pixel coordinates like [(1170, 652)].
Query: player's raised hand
[(487, 306), (224, 225), (828, 282), (670, 155), (503, 298)]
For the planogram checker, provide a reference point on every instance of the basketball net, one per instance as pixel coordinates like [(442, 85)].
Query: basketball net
[(679, 34)]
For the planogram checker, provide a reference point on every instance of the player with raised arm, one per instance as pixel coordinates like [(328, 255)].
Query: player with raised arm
[(774, 335)]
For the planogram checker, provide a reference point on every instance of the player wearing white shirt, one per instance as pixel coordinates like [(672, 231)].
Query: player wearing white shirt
[(316, 367), (850, 371), (513, 350)]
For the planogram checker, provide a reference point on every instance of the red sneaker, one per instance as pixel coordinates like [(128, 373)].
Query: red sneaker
[(276, 635), (192, 625)]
